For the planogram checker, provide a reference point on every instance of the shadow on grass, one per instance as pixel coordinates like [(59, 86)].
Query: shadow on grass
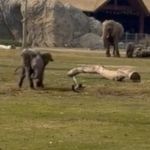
[(58, 89), (57, 69)]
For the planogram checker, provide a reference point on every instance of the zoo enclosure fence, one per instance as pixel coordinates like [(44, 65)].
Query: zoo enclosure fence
[(139, 39)]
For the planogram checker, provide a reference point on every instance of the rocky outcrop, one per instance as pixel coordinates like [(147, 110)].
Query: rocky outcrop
[(50, 23), (12, 17)]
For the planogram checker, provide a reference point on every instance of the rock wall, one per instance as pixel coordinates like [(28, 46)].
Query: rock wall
[(50, 23), (12, 17)]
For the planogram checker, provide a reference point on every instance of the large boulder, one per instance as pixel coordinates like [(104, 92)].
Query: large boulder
[(88, 40), (95, 26), (50, 23), (12, 17), (91, 41)]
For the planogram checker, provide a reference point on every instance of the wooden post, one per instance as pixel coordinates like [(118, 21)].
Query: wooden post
[(24, 26)]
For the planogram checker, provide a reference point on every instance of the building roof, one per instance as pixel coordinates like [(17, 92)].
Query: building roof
[(147, 4), (85, 5), (92, 5)]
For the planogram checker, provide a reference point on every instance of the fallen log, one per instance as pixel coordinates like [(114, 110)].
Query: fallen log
[(130, 74), (7, 47), (117, 75)]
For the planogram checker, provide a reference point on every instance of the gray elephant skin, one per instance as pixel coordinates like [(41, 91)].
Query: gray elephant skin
[(33, 66), (112, 32)]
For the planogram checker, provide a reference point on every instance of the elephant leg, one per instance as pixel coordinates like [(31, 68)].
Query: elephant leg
[(34, 74), (29, 76), (21, 77), (108, 51), (116, 51), (39, 82)]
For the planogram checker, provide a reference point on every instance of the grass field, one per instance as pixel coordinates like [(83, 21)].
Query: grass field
[(106, 115)]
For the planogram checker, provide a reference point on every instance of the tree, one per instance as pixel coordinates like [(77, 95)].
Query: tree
[(24, 26)]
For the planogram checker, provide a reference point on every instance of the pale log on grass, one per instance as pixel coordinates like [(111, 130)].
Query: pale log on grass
[(117, 75), (6, 47), (130, 74)]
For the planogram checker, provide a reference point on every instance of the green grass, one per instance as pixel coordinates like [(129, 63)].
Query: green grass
[(106, 115)]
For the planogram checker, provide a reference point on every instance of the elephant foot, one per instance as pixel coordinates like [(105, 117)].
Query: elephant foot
[(108, 55), (39, 85), (116, 55), (31, 86)]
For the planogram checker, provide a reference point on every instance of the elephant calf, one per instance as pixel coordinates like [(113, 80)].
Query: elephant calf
[(112, 32), (38, 65), (33, 67), (130, 50)]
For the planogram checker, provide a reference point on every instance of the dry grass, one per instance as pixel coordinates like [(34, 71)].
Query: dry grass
[(106, 115)]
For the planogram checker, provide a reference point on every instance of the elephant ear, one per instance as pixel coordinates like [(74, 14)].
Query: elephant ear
[(46, 58), (50, 57)]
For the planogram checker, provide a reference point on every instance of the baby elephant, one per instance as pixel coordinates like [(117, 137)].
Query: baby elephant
[(130, 50), (33, 67), (38, 65)]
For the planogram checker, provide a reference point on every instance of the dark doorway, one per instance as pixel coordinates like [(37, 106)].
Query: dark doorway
[(147, 25)]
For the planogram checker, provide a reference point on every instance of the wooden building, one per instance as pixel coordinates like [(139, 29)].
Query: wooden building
[(133, 14)]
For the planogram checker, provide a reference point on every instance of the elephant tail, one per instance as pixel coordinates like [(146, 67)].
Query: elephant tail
[(18, 68)]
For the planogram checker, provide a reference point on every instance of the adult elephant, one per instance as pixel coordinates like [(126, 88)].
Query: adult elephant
[(112, 32)]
